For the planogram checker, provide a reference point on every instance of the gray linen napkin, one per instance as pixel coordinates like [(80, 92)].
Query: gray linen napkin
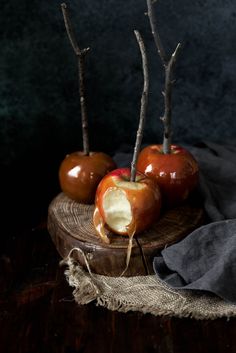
[(206, 258)]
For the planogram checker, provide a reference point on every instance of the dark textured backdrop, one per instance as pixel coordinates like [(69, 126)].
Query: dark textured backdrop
[(39, 108)]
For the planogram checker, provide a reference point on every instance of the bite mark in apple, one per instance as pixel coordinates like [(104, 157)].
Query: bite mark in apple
[(117, 209)]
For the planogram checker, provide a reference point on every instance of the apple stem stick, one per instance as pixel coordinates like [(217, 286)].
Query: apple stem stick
[(80, 54), (166, 119), (168, 66), (143, 110)]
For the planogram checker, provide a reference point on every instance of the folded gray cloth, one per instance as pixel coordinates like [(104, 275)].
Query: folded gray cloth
[(206, 259)]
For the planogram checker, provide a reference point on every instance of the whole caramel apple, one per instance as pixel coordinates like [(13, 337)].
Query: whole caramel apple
[(80, 174), (126, 207), (176, 173)]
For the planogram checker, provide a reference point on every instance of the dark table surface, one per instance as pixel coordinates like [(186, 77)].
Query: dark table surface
[(38, 313)]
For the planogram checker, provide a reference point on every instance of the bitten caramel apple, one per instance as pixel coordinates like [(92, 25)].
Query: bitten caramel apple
[(80, 174), (128, 202), (126, 207)]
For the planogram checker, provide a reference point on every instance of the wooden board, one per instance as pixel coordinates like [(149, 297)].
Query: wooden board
[(70, 226)]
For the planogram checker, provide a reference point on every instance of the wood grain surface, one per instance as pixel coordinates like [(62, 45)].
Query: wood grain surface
[(70, 225)]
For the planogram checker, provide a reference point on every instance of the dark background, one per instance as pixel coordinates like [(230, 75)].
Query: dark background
[(39, 106)]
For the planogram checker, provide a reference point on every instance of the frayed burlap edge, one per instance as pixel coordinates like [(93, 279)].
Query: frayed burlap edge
[(145, 294)]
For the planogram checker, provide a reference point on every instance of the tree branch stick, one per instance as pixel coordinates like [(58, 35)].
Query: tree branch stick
[(168, 102), (143, 110), (155, 33), (80, 54), (169, 66)]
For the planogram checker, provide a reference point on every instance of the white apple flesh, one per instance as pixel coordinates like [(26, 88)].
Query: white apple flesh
[(117, 210)]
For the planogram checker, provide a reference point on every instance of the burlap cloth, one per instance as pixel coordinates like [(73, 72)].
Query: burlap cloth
[(147, 294)]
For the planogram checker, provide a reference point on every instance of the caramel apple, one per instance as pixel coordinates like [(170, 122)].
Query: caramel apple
[(126, 207), (176, 172), (128, 202), (80, 174), (173, 167)]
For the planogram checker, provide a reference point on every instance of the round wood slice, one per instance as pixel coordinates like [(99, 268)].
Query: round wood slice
[(70, 226)]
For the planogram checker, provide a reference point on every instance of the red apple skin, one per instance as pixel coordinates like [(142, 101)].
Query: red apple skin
[(176, 173), (145, 203), (79, 175)]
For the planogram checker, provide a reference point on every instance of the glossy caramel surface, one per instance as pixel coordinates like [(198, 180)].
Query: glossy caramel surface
[(79, 175), (176, 173)]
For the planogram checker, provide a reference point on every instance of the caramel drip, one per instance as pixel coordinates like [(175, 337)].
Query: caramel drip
[(99, 225), (131, 228), (100, 230)]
